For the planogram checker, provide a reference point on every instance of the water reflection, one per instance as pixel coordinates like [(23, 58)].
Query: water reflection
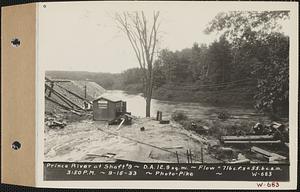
[(136, 105)]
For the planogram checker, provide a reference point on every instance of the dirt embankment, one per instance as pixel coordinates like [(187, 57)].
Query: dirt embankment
[(96, 141), (76, 92)]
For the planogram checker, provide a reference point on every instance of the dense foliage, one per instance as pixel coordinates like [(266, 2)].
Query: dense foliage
[(251, 48), (260, 47)]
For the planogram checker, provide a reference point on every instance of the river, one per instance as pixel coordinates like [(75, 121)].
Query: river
[(136, 105)]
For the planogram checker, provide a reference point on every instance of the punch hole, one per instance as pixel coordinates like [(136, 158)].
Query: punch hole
[(44, 6), (15, 42), (16, 145)]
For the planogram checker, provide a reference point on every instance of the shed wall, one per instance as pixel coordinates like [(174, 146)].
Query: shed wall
[(102, 114)]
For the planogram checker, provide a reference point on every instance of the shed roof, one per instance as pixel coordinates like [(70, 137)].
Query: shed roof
[(109, 97)]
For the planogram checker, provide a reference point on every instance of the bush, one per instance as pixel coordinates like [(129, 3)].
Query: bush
[(179, 116), (224, 115), (217, 129)]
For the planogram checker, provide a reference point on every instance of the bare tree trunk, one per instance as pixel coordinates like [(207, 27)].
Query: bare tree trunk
[(143, 39), (148, 106), (149, 91)]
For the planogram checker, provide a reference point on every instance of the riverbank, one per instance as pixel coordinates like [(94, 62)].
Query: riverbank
[(226, 97), (237, 96)]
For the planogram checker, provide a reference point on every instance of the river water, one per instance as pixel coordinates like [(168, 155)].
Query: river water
[(136, 104)]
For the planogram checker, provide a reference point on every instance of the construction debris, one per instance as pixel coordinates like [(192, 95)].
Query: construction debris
[(258, 129), (126, 117), (276, 125), (271, 156), (164, 121), (199, 128), (52, 123), (274, 133)]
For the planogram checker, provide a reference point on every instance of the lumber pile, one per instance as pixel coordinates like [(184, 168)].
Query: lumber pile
[(263, 134)]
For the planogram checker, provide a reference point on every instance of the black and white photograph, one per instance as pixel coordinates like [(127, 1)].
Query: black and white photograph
[(195, 85)]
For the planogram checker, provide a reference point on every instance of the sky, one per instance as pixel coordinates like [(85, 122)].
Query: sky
[(83, 36)]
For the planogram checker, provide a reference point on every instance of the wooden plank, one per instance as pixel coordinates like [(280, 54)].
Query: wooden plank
[(267, 153), (123, 120), (174, 147), (254, 142), (261, 151), (240, 161), (247, 137)]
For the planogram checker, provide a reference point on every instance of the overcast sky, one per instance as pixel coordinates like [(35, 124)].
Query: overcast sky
[(84, 37)]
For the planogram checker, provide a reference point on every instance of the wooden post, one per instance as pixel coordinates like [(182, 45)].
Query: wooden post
[(157, 116), (202, 155), (191, 159), (177, 157), (51, 85), (187, 155), (160, 116)]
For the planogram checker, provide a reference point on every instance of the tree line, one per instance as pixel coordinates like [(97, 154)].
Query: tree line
[(251, 51)]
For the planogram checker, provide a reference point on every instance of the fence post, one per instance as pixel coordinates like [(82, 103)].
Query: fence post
[(187, 155), (202, 155), (177, 157), (191, 159)]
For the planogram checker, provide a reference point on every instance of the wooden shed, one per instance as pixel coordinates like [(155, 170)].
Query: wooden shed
[(107, 108)]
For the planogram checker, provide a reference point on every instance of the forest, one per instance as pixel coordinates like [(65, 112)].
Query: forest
[(248, 64)]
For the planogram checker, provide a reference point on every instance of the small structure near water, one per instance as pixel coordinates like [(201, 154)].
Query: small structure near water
[(107, 108)]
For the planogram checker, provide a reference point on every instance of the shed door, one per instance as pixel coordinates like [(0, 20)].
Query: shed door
[(103, 110)]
